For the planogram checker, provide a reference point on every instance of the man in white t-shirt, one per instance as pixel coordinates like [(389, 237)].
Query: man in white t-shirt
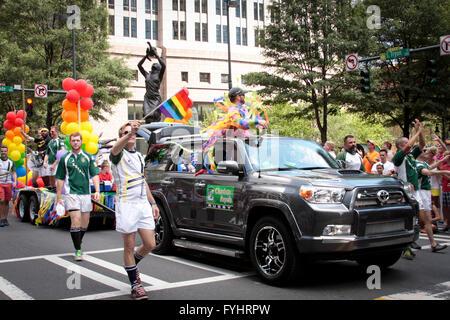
[(388, 166), (350, 156)]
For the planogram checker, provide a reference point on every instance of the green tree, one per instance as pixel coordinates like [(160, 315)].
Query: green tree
[(36, 46), (304, 50), (401, 89)]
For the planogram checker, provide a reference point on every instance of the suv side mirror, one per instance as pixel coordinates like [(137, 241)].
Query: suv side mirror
[(229, 166)]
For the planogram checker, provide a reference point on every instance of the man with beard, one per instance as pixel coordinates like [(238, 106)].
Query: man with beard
[(350, 156), (50, 161), (73, 173)]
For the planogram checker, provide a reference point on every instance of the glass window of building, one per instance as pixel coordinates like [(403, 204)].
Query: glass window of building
[(126, 26), (224, 78), (182, 30), (148, 29), (184, 76), (135, 110), (218, 8), (244, 36), (133, 28), (155, 6), (244, 8), (197, 31), (197, 6), (175, 5), (111, 24), (205, 6), (218, 33), (225, 34), (133, 5), (238, 35), (224, 7), (175, 34), (111, 4), (148, 6), (204, 32), (155, 30), (126, 5), (205, 77), (261, 11)]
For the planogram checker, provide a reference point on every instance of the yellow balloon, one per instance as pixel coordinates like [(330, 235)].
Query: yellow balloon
[(86, 136), (72, 127), (21, 179), (21, 148), (91, 148), (12, 147), (17, 140), (86, 125), (64, 127), (6, 142), (93, 138), (15, 155)]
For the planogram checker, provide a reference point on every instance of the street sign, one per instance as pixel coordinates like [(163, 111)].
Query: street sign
[(395, 53), (40, 91), (6, 89), (351, 62), (445, 45)]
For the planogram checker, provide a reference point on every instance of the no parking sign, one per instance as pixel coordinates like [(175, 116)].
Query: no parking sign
[(351, 62)]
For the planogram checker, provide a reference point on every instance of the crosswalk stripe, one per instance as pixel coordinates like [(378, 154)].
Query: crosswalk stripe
[(119, 269), (12, 291), (90, 274), (440, 291)]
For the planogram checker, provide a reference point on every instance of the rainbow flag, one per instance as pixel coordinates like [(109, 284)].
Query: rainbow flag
[(175, 107)]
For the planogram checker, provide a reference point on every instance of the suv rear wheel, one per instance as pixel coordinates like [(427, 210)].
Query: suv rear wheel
[(163, 233), (273, 251)]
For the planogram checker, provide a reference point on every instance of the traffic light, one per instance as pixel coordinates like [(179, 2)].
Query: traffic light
[(365, 81), (432, 70), (29, 107)]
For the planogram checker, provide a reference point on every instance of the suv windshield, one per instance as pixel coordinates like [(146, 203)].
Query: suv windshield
[(277, 153)]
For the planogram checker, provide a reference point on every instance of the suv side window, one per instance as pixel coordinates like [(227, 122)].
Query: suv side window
[(157, 157), (184, 158)]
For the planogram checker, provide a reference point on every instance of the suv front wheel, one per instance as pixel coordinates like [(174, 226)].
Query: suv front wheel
[(273, 251)]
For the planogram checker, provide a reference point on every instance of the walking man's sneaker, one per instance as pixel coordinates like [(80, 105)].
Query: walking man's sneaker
[(438, 247), (138, 292), (78, 255)]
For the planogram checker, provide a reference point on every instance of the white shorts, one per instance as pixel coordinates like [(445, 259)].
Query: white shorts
[(131, 216), (45, 172), (424, 199), (78, 202)]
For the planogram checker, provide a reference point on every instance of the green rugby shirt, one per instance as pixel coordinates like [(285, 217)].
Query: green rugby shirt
[(52, 149), (424, 180), (406, 167), (77, 169)]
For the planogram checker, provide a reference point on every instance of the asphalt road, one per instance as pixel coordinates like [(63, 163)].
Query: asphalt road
[(36, 263)]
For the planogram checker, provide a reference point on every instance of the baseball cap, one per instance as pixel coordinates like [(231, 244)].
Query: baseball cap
[(372, 142), (236, 92)]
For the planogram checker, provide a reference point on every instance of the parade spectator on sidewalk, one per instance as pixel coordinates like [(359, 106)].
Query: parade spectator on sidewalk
[(7, 167), (388, 166), (388, 147), (73, 173), (105, 173), (329, 146), (352, 159), (371, 157)]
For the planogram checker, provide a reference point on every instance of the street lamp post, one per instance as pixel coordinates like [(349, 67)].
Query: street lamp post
[(233, 4)]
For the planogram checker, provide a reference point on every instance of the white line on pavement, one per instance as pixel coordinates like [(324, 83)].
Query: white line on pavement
[(441, 291), (12, 291)]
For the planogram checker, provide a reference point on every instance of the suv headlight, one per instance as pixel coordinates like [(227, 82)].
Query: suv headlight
[(315, 194), (408, 190)]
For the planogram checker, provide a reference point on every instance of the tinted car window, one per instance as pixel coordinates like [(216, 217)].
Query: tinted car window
[(288, 153)]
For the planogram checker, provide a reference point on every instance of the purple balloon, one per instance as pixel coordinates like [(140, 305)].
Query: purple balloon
[(60, 153)]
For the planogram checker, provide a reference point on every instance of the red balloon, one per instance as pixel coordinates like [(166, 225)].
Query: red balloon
[(86, 103), (80, 85), (20, 185), (8, 125), (21, 114), (11, 116), (68, 84), (73, 96), (40, 182), (18, 122), (87, 91)]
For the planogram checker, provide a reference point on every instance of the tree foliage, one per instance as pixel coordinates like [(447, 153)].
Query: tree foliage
[(36, 46), (304, 50)]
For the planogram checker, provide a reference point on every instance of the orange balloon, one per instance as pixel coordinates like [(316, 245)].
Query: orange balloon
[(69, 106), (10, 134), (16, 131), (69, 116), (27, 129), (188, 114), (84, 115)]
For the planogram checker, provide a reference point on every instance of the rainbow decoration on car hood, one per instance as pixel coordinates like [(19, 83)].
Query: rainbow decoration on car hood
[(177, 106)]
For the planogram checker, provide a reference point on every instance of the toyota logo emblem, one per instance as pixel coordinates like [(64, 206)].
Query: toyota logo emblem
[(383, 196)]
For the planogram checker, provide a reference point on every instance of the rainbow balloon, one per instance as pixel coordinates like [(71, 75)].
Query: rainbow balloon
[(176, 106)]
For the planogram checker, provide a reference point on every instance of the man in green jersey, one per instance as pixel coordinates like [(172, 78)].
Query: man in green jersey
[(424, 194), (404, 160), (73, 173), (50, 161)]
